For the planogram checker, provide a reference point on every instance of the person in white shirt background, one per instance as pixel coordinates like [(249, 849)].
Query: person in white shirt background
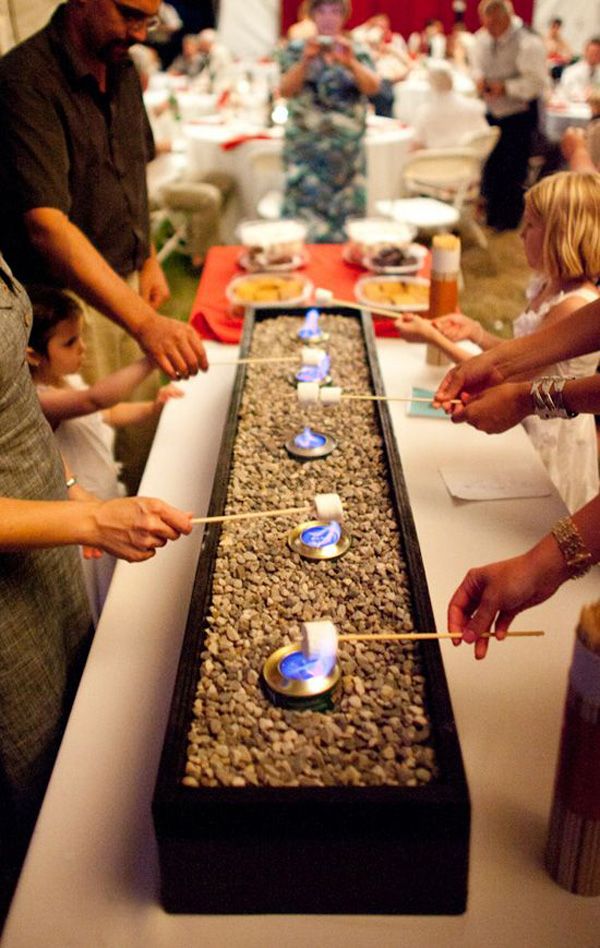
[(579, 79), (447, 119)]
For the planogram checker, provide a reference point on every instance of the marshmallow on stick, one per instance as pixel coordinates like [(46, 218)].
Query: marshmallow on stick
[(319, 642), (327, 507), (311, 393)]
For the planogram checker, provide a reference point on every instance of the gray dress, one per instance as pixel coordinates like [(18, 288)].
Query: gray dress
[(44, 616)]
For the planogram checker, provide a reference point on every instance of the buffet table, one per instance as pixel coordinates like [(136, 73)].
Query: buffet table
[(214, 317), (91, 877)]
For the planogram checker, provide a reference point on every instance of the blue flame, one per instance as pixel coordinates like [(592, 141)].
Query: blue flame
[(309, 439), (314, 373), (323, 535), (310, 326), (299, 668)]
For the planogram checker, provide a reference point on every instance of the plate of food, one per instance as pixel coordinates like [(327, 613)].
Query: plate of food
[(407, 295), (391, 259), (261, 290), (255, 260)]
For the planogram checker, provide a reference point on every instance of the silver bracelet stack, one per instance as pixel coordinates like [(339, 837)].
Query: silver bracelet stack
[(547, 397)]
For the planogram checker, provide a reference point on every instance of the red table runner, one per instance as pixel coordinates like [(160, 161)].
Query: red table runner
[(213, 317)]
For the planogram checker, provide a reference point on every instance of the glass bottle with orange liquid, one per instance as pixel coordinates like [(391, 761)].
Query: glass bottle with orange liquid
[(443, 289)]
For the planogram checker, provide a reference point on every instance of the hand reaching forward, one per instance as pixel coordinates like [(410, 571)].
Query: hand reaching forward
[(132, 528), (489, 597)]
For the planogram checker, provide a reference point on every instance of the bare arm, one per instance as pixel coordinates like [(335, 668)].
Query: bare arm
[(59, 404), (132, 413), (519, 358), (491, 596), (129, 527), (174, 346)]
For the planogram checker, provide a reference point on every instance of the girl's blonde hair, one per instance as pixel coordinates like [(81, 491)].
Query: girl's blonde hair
[(568, 204)]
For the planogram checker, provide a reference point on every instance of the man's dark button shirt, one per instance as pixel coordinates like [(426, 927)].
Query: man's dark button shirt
[(66, 145)]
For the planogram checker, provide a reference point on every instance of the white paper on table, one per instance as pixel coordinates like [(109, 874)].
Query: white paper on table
[(489, 481)]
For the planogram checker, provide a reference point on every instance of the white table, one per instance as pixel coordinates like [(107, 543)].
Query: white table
[(387, 147), (560, 116), (91, 877)]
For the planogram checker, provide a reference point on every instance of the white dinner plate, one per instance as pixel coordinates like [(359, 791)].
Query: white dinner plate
[(417, 251), (405, 307), (300, 297), (296, 261)]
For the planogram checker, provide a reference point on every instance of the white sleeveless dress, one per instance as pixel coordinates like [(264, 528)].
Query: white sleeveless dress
[(568, 446)]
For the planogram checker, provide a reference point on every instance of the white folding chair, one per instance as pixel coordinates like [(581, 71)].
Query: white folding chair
[(451, 176), (264, 160)]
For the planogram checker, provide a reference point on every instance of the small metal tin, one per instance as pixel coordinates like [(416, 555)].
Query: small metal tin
[(309, 453), (329, 551), (293, 379), (310, 692)]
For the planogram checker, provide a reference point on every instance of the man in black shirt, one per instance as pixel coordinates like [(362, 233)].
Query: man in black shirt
[(74, 143)]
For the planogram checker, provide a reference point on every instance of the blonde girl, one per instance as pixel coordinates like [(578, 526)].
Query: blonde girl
[(561, 239)]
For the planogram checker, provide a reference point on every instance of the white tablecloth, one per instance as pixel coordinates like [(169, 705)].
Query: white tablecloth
[(387, 146), (559, 118), (91, 877)]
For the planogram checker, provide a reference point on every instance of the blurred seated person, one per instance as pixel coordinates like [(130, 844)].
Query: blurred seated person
[(305, 25), (459, 43), (447, 119), (216, 60), (190, 61), (389, 53), (578, 80), (581, 146), (558, 51), (164, 37), (430, 42)]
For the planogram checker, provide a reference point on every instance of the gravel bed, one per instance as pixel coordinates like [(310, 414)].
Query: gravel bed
[(379, 732)]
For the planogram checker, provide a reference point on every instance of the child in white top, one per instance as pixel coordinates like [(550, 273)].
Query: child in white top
[(560, 232), (83, 417)]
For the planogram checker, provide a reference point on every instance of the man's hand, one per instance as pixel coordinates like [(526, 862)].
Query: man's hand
[(154, 288), (175, 347)]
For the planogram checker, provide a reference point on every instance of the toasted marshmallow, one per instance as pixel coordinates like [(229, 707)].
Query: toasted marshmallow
[(322, 295), (330, 394), (320, 642), (308, 393), (329, 507)]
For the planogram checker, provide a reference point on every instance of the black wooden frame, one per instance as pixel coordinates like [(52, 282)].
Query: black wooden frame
[(351, 850)]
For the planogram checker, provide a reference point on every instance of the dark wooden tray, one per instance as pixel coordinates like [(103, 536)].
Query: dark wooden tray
[(351, 850)]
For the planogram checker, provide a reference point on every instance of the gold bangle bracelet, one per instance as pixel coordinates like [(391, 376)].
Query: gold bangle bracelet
[(570, 542)]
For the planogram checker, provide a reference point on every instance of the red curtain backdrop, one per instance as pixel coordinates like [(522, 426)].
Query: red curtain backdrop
[(406, 17)]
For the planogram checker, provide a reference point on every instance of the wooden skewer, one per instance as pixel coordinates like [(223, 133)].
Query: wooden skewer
[(419, 636), (254, 514), (397, 398), (253, 360), (375, 310)]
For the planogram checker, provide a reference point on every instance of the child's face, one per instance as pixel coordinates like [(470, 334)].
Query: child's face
[(532, 235), (66, 347)]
